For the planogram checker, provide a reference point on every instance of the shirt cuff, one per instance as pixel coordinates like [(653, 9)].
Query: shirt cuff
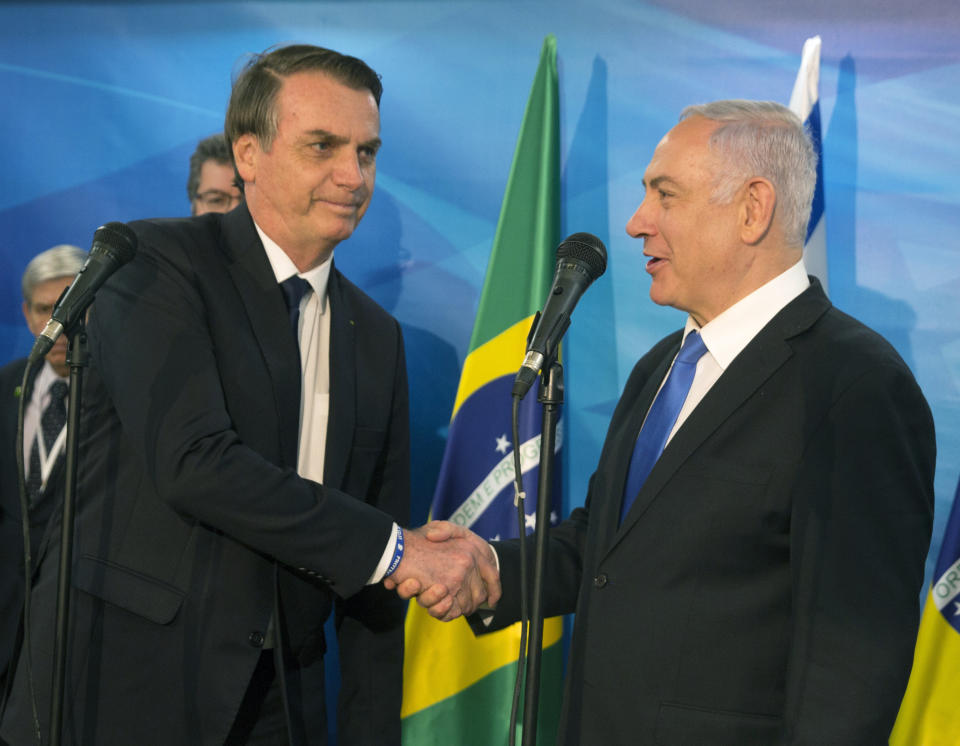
[(485, 613), (384, 564)]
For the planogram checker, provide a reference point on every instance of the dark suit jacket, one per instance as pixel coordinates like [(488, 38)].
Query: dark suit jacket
[(764, 587), (11, 529), (191, 512)]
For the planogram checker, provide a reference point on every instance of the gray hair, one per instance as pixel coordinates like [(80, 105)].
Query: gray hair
[(764, 138), (213, 148), (63, 260)]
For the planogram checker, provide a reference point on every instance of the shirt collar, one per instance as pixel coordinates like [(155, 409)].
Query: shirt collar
[(726, 335), (284, 268), (44, 380)]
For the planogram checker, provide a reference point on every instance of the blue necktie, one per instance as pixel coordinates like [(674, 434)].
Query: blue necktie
[(661, 418), (294, 288)]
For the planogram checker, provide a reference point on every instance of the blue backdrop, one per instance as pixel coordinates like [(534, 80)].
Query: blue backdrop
[(103, 104)]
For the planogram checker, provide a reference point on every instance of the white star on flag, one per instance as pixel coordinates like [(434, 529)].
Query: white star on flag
[(502, 444), (531, 521)]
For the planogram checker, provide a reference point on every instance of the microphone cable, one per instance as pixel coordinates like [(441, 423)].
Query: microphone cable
[(519, 500), (25, 394)]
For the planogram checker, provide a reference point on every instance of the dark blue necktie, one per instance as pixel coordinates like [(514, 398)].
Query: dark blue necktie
[(294, 288), (662, 417), (52, 420)]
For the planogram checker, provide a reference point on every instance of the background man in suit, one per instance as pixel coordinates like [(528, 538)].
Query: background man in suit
[(211, 184), (245, 454), (44, 279), (758, 582)]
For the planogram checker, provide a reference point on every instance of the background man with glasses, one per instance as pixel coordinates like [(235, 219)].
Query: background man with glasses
[(211, 185)]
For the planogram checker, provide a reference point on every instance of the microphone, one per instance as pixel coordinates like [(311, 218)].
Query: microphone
[(114, 244), (581, 259)]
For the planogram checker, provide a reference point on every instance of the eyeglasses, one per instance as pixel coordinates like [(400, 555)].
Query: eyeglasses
[(214, 199)]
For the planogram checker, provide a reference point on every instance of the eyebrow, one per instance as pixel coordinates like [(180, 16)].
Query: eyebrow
[(658, 180), (375, 143)]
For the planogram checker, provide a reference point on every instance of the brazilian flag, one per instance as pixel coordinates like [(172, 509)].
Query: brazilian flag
[(929, 715), (457, 688)]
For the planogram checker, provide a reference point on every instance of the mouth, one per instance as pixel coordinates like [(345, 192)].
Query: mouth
[(337, 206), (654, 263)]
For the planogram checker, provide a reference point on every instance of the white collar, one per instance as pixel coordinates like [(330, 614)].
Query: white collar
[(284, 268), (726, 335), (46, 378)]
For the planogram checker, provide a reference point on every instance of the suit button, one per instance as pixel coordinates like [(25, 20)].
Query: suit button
[(255, 638), (600, 581)]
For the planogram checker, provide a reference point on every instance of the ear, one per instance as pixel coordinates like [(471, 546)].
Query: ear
[(756, 214), (26, 313), (246, 148)]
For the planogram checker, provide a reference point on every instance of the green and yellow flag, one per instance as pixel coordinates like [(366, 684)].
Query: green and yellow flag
[(457, 688)]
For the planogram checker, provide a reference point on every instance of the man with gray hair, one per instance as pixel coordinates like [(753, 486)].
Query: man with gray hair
[(211, 183), (747, 566), (45, 278)]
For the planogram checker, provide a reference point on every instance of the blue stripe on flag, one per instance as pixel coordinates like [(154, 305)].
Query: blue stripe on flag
[(816, 210), (475, 486)]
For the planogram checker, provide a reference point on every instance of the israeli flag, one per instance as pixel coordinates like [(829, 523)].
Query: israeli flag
[(805, 103)]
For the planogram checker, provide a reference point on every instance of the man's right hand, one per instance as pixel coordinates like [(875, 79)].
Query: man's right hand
[(450, 570)]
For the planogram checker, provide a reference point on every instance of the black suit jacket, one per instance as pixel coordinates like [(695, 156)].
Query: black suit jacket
[(191, 513), (11, 529), (764, 586)]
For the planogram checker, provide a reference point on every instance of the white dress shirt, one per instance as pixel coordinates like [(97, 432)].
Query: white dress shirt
[(729, 333), (314, 338)]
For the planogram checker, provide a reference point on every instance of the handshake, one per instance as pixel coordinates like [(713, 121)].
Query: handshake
[(451, 570)]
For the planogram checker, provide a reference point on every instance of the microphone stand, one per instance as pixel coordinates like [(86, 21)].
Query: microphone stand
[(550, 394), (77, 357)]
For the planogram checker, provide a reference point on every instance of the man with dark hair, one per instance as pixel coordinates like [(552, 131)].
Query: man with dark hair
[(246, 457), (211, 184), (747, 566), (44, 279)]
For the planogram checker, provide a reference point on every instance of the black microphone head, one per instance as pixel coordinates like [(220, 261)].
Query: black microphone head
[(116, 240), (585, 248)]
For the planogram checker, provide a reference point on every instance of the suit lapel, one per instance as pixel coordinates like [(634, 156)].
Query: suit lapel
[(343, 382), (49, 504), (262, 303), (10, 412), (623, 441), (759, 360)]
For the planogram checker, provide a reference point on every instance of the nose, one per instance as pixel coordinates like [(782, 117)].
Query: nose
[(640, 224), (349, 172)]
